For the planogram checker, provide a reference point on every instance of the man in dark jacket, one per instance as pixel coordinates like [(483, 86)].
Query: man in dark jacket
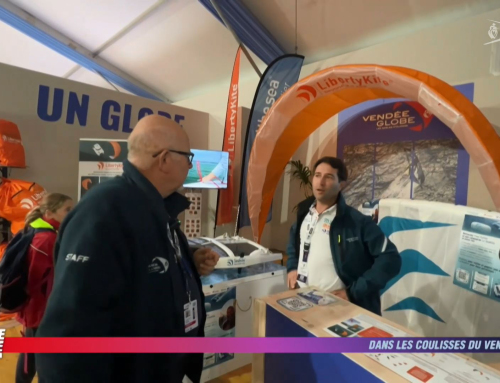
[(336, 248), (124, 268)]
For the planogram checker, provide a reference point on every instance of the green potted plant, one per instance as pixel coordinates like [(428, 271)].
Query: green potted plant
[(303, 174)]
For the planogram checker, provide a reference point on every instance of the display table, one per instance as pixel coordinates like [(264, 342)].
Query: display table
[(229, 301), (297, 314)]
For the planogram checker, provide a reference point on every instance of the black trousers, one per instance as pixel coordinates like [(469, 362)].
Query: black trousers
[(26, 369)]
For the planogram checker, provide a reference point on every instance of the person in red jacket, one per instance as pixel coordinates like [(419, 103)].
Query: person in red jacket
[(48, 215)]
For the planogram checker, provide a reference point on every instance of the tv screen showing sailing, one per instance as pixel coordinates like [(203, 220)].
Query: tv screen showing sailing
[(209, 171)]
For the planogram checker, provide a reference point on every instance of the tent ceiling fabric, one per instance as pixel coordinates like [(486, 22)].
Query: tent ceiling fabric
[(247, 28), (310, 102), (329, 28), (180, 50), (43, 33)]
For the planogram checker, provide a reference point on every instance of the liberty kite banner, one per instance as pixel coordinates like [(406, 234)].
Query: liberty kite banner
[(225, 200)]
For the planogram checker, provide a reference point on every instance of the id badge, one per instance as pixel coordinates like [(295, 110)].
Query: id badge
[(302, 274), (190, 316), (302, 270)]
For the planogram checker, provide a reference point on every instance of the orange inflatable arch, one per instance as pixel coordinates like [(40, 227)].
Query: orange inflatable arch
[(312, 101)]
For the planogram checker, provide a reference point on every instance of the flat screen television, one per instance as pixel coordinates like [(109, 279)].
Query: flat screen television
[(209, 171)]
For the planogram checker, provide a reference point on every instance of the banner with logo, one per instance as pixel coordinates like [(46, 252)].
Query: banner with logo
[(225, 198), (280, 75), (397, 149), (99, 161), (445, 287), (53, 114)]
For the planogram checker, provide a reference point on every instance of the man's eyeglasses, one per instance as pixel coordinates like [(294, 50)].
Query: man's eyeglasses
[(188, 155)]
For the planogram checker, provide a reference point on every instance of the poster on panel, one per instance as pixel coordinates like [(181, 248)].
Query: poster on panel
[(99, 161), (221, 322), (395, 148)]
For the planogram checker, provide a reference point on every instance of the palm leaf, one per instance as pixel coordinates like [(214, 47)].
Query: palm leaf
[(301, 173)]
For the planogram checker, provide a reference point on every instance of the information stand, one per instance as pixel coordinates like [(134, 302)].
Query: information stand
[(303, 313)]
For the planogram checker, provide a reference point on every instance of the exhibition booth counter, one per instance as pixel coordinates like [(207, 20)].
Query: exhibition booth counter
[(311, 313), (229, 301)]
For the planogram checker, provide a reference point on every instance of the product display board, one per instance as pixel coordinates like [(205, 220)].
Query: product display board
[(453, 250), (478, 262), (99, 161), (221, 322), (229, 297), (340, 318)]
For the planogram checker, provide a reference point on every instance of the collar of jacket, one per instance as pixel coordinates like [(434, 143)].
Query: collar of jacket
[(304, 206), (41, 223), (174, 204)]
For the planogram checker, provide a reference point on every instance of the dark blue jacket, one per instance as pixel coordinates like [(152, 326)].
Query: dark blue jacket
[(120, 290), (365, 260)]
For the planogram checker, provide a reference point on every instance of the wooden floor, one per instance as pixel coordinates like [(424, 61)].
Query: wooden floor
[(241, 375)]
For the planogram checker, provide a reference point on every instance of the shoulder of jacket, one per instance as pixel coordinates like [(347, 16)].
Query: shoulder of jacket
[(109, 195), (43, 240), (45, 234), (357, 216)]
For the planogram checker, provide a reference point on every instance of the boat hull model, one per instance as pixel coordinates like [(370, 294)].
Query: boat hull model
[(236, 252)]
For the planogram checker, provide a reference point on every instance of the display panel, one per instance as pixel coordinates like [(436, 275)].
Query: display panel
[(209, 171)]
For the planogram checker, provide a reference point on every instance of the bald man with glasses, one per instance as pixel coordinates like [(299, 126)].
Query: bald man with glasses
[(134, 274)]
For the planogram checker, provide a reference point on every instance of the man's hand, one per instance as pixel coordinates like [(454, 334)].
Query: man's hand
[(292, 279), (341, 294), (205, 260)]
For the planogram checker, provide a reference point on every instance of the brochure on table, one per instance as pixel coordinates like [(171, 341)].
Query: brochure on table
[(363, 326), (434, 368), (416, 368)]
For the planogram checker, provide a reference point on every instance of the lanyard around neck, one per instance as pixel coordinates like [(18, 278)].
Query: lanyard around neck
[(186, 270)]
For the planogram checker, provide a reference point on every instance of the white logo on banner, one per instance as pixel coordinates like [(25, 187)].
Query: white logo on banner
[(493, 32), (11, 140), (27, 203), (98, 150)]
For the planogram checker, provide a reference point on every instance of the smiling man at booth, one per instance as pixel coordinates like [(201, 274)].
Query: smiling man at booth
[(334, 247)]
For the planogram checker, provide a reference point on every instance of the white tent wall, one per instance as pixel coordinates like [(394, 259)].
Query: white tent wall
[(454, 52)]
